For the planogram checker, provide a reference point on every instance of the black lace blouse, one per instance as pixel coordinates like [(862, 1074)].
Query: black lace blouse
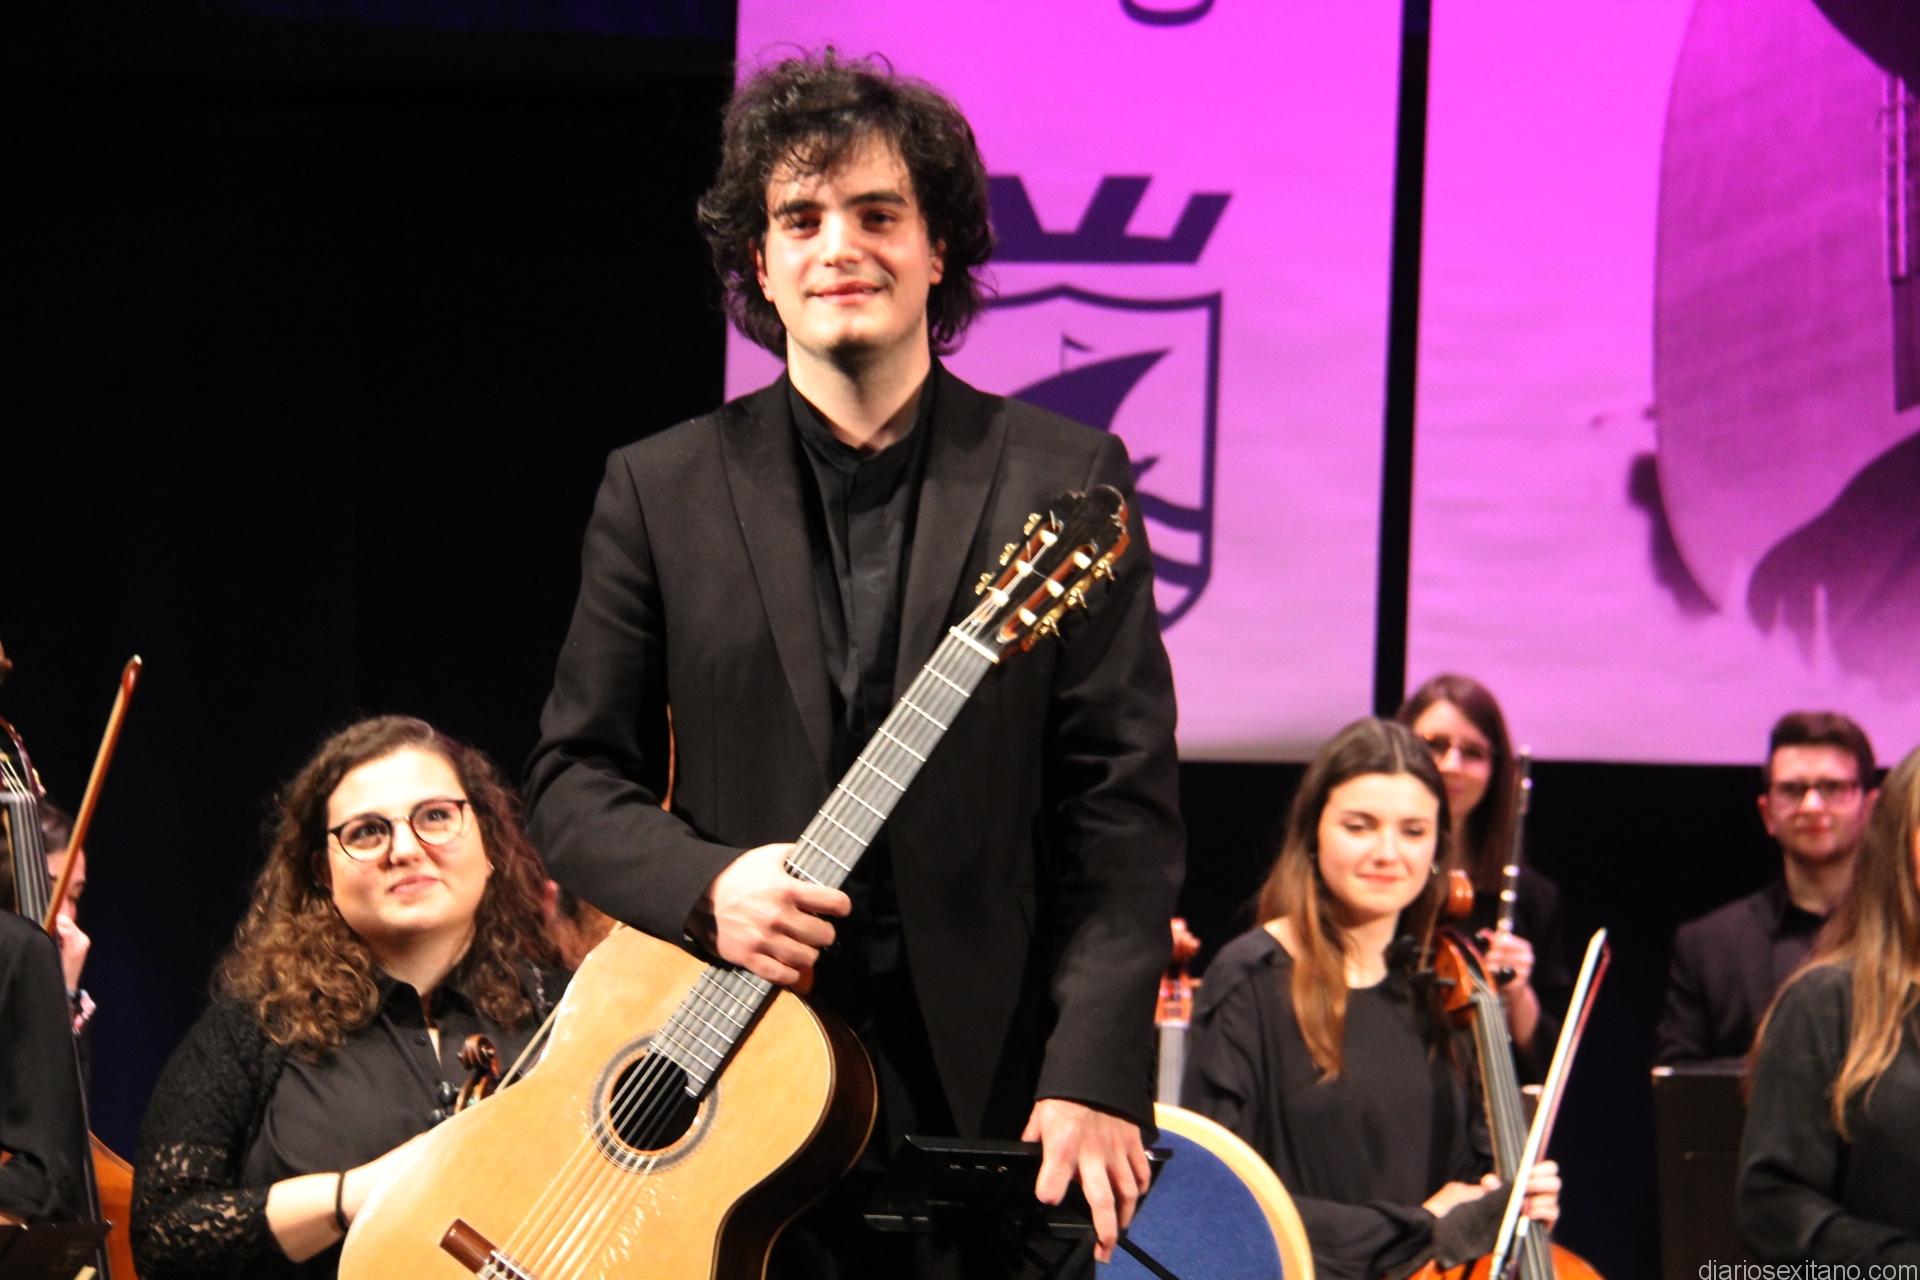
[(233, 1113)]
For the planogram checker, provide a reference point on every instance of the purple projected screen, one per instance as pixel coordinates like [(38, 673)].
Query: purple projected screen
[(1194, 211), (1667, 480)]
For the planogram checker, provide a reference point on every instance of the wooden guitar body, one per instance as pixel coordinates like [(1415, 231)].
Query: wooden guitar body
[(546, 1186)]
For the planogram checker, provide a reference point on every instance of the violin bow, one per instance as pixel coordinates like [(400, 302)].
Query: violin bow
[(1592, 968), (90, 800)]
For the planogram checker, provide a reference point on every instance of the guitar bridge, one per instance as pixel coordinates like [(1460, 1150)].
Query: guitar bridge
[(477, 1254)]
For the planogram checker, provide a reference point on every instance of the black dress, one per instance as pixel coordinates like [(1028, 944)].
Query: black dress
[(1804, 1194), (1359, 1153)]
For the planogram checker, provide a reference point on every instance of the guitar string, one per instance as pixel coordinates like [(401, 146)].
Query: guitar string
[(893, 757), (32, 892), (643, 1093)]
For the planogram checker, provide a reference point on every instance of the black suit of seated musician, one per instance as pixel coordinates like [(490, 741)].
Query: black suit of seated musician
[(1817, 794), (41, 1120), (778, 570)]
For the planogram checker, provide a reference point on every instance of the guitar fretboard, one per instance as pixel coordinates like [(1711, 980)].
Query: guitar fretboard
[(723, 1002)]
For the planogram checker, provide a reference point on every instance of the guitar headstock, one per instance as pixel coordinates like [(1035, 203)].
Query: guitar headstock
[(1067, 548)]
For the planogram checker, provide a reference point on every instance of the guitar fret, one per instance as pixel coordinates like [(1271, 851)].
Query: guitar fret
[(722, 1037), (700, 1020), (943, 680), (975, 645), (799, 872), (822, 851), (677, 1047), (874, 768), (855, 797), (903, 746), (851, 833), (923, 713), (720, 989), (718, 1008)]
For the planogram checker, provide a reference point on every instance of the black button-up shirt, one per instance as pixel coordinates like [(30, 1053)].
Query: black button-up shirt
[(380, 1087), (860, 517)]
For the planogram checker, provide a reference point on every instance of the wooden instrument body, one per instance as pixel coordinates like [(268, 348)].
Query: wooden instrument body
[(1567, 1265), (792, 1111)]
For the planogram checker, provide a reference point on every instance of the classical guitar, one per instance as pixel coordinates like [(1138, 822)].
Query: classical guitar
[(685, 1110)]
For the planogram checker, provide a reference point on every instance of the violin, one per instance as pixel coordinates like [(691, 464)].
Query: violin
[(1470, 1002)]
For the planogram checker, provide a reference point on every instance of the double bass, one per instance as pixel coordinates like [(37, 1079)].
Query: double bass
[(1469, 998), (109, 1176)]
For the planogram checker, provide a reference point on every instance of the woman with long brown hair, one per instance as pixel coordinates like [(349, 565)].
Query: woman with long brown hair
[(1461, 723), (1830, 1156), (399, 911), (1313, 1040)]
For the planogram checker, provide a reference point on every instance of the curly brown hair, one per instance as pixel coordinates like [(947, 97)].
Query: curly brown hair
[(805, 115), (305, 974)]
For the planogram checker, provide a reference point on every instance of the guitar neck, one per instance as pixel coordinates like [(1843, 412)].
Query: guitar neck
[(860, 802), (724, 1001)]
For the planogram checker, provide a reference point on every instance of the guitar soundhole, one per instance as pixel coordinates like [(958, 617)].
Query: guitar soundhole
[(646, 1118), (657, 1111)]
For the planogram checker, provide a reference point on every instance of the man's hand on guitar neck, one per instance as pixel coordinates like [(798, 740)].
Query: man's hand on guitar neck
[(765, 920), (1100, 1149)]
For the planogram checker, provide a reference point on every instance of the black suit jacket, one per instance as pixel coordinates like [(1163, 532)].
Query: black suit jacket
[(1037, 855), (1723, 977), (41, 1120)]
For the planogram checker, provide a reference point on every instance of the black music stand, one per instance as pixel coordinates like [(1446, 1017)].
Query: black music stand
[(49, 1251), (1697, 1117), (960, 1188)]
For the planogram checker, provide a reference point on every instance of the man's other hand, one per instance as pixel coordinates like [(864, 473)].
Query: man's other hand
[(1100, 1149)]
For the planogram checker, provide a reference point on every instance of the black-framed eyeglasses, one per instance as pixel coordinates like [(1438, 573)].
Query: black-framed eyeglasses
[(1471, 752), (435, 822), (1792, 792)]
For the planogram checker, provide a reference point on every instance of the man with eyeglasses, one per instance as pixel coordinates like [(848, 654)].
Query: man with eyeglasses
[(1818, 788)]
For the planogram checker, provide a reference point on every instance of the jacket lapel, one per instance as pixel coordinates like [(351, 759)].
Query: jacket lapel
[(962, 463), (763, 474)]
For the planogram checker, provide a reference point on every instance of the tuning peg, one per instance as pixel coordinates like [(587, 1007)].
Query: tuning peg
[(1076, 598), (1006, 552), (1033, 522), (980, 587)]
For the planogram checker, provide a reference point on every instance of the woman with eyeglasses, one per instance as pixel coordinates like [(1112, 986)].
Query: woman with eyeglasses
[(1313, 1040), (1830, 1155), (1461, 723), (398, 912)]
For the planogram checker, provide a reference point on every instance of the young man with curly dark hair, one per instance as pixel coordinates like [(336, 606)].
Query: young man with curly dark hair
[(776, 572)]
